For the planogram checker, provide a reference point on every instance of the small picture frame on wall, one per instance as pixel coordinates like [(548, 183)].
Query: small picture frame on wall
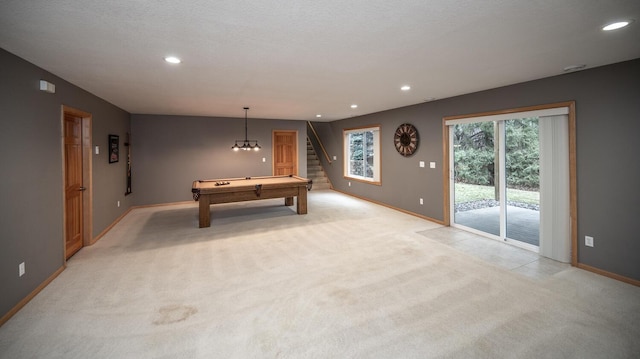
[(114, 150)]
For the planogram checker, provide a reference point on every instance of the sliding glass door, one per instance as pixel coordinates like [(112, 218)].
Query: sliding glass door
[(509, 177), (476, 192), (522, 180), (495, 186)]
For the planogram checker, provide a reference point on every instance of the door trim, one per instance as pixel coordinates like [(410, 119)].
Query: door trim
[(573, 206), (87, 170)]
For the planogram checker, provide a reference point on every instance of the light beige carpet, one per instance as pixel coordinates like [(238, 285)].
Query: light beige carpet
[(348, 280)]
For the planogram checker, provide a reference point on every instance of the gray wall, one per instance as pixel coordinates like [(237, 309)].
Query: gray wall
[(170, 152), (608, 169), (31, 182)]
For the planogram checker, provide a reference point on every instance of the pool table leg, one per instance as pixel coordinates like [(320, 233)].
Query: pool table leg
[(288, 201), (205, 211), (302, 200)]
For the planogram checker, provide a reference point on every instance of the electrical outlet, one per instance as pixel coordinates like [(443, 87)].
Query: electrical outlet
[(335, 158), (349, 184), (421, 201), (118, 203), (421, 164), (264, 159), (432, 165), (21, 269), (588, 241)]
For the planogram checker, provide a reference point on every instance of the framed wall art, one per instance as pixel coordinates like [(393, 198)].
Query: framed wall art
[(114, 148)]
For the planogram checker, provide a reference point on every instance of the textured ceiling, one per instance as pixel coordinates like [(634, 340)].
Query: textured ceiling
[(293, 59)]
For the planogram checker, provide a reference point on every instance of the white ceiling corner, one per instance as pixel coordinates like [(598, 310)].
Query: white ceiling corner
[(291, 59)]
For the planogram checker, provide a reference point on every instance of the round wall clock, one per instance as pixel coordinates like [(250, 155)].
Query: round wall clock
[(406, 139)]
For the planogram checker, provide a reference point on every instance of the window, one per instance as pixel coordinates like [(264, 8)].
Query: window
[(362, 154)]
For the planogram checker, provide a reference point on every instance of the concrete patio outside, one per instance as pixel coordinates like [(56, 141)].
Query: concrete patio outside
[(522, 224)]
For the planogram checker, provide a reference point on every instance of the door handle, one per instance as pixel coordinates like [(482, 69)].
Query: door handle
[(82, 188)]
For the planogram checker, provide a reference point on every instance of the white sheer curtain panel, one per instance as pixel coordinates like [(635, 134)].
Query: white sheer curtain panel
[(555, 221)]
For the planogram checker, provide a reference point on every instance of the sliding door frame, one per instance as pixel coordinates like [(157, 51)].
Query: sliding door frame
[(573, 206)]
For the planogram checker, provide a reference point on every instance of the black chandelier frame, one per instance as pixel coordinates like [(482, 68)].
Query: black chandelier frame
[(247, 144)]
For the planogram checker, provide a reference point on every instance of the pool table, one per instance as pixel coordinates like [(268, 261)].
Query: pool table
[(209, 192)]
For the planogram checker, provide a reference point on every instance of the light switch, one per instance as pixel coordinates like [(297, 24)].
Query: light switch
[(421, 164), (432, 165), (97, 150), (335, 158), (264, 159)]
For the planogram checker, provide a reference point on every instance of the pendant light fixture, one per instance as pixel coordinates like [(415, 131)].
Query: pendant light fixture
[(246, 144)]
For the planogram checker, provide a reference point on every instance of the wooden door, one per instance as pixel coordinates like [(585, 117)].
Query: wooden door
[(73, 189), (285, 153)]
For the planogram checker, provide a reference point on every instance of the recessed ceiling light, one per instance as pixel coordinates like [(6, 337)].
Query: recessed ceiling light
[(574, 68), (318, 115), (616, 25), (405, 88), (172, 60), (354, 106)]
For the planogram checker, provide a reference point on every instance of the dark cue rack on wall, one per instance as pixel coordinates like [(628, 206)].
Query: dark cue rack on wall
[(127, 143)]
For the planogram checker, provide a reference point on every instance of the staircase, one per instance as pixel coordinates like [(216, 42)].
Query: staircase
[(314, 169)]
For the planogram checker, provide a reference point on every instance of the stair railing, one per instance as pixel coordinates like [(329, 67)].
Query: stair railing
[(317, 138)]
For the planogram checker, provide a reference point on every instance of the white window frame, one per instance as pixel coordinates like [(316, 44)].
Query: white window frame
[(375, 129)]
